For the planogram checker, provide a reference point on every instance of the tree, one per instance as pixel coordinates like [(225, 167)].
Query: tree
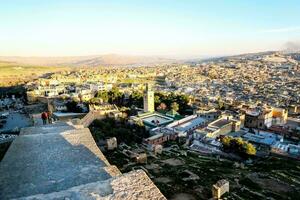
[(162, 106), (157, 100), (175, 106), (226, 141), (122, 130), (103, 95), (96, 100), (249, 149), (80, 97), (114, 95), (136, 99), (220, 104), (238, 145), (73, 107)]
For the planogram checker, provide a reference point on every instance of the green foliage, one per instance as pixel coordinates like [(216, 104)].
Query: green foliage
[(18, 91), (221, 104), (73, 107), (238, 145), (180, 101), (103, 95), (157, 100), (136, 99), (249, 183), (96, 100), (121, 129), (249, 148), (168, 99), (175, 106), (226, 142), (162, 101), (113, 96)]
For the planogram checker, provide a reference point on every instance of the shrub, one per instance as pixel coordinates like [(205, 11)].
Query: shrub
[(238, 145)]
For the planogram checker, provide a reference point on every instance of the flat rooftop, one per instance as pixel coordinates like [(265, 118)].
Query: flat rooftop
[(220, 123), (192, 123), (262, 138)]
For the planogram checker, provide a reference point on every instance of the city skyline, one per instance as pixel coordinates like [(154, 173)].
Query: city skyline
[(158, 28), (158, 100)]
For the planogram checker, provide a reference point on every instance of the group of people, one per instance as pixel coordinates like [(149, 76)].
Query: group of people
[(46, 117)]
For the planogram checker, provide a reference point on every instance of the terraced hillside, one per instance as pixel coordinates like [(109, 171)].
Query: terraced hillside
[(191, 175)]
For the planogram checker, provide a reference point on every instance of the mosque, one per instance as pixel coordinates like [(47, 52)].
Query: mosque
[(165, 127), (149, 117)]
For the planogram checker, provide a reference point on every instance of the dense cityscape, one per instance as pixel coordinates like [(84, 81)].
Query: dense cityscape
[(208, 119), (150, 100)]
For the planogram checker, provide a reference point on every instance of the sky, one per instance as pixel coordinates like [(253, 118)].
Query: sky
[(174, 28)]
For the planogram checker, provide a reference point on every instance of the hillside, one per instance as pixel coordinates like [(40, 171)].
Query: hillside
[(14, 74), (89, 61)]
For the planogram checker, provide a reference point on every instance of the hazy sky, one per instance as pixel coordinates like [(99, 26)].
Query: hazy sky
[(140, 27)]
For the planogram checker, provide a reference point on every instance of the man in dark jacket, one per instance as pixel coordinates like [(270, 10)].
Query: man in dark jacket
[(44, 117)]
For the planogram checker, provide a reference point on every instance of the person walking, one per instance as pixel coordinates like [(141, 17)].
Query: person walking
[(49, 115), (44, 117)]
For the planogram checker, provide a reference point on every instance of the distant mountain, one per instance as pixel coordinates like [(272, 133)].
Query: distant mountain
[(127, 60), (271, 56), (292, 47), (90, 61)]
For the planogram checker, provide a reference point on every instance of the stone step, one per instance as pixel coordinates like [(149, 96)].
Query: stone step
[(58, 161), (112, 170), (132, 185), (51, 161), (45, 129)]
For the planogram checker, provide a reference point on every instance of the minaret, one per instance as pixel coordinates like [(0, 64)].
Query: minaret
[(148, 99)]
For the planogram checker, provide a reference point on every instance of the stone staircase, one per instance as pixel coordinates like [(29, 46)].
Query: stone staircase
[(93, 115), (60, 161)]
